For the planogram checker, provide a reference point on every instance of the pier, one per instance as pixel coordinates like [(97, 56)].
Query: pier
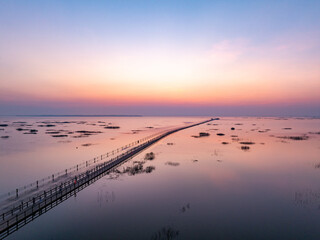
[(23, 205)]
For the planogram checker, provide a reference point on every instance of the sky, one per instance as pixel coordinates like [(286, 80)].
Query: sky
[(160, 57)]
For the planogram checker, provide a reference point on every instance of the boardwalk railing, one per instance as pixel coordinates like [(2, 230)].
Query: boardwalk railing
[(76, 168), (34, 205)]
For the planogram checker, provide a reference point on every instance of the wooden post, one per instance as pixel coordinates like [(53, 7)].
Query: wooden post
[(66, 171), (52, 177), (77, 167), (17, 193), (37, 184)]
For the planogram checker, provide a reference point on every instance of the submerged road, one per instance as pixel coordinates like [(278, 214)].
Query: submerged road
[(21, 211)]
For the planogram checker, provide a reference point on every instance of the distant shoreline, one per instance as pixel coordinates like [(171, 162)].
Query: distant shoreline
[(76, 115), (124, 115)]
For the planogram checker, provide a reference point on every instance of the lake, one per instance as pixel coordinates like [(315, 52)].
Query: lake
[(251, 178)]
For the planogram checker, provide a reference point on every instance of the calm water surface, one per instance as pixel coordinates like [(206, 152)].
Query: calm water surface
[(254, 182)]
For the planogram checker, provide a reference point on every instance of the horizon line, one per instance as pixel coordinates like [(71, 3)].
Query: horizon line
[(140, 115), (73, 115)]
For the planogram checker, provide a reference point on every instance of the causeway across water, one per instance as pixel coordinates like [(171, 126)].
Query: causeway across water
[(19, 208)]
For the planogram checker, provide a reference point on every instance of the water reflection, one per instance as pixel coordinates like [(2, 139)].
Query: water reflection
[(105, 197), (137, 167), (307, 198), (245, 148), (185, 208), (200, 188), (165, 233), (174, 164), (134, 168)]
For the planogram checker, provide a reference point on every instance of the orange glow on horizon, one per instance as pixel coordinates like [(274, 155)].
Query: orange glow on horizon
[(220, 76)]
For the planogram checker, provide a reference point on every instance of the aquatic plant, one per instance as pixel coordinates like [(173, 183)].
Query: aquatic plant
[(149, 156), (137, 168), (204, 134), (297, 138), (46, 125), (245, 148), (247, 143), (53, 132), (185, 208), (62, 135), (86, 144), (201, 134), (85, 133), (173, 164), (307, 198), (166, 233), (314, 133), (88, 132), (112, 127), (149, 169)]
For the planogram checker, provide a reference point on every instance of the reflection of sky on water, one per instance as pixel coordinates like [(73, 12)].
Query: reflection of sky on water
[(34, 156), (270, 191)]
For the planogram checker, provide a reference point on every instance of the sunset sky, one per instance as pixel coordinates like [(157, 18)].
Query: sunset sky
[(160, 57)]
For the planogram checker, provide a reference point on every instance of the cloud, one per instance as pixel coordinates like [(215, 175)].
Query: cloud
[(228, 51)]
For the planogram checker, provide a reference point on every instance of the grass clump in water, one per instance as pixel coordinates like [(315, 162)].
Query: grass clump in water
[(149, 156), (245, 148)]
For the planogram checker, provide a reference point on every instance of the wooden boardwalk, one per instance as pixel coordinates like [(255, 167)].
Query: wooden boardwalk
[(20, 211)]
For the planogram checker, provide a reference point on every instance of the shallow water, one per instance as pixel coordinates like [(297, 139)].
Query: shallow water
[(25, 158), (200, 188)]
